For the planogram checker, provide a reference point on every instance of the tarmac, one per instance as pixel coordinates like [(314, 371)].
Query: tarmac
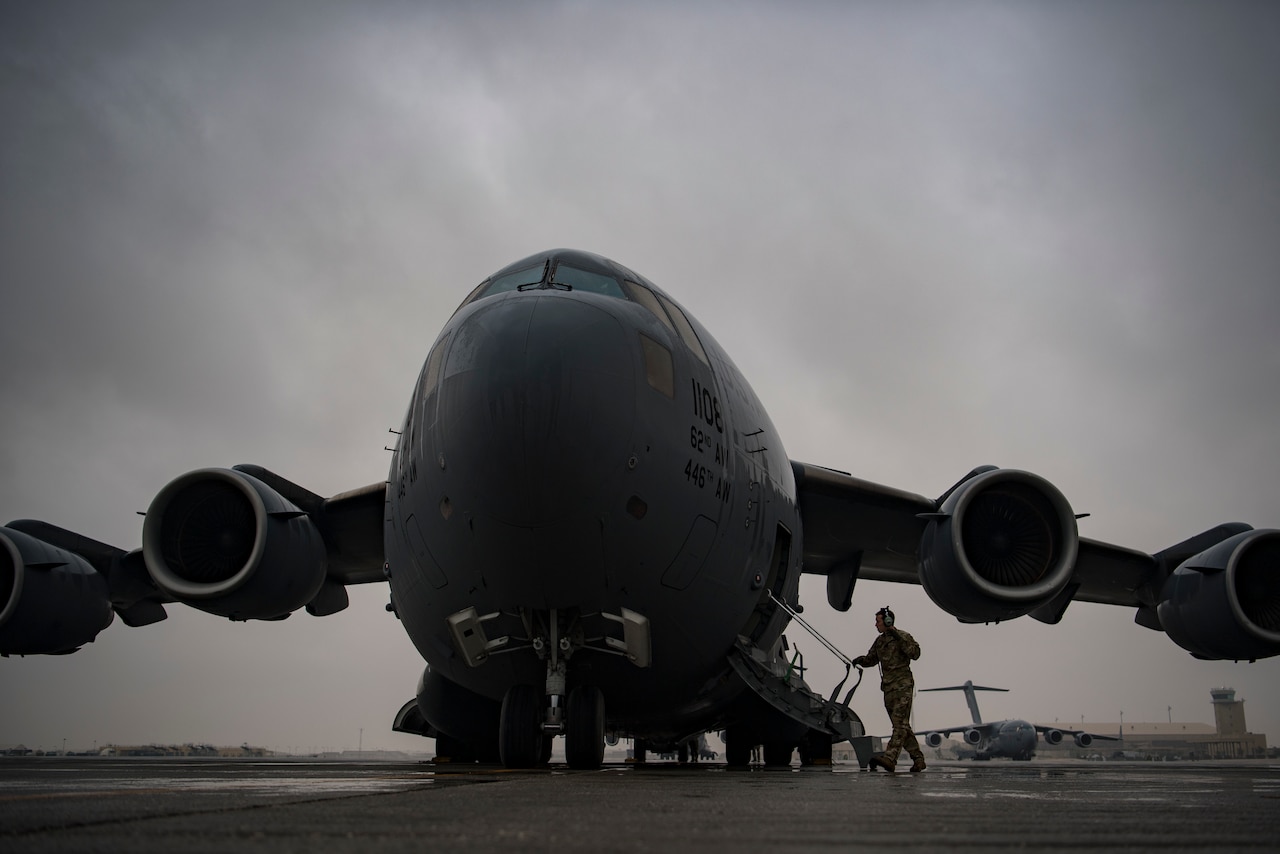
[(101, 804)]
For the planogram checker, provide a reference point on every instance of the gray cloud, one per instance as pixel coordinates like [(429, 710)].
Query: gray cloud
[(933, 237)]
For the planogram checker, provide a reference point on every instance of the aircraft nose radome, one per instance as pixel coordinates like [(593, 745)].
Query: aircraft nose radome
[(545, 413)]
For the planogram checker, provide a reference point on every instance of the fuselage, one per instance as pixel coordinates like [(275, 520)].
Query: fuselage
[(1011, 739), (578, 444)]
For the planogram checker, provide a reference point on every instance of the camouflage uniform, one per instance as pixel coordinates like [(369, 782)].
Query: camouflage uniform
[(894, 651)]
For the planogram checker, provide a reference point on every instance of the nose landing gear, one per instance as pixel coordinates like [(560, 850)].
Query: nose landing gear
[(532, 718)]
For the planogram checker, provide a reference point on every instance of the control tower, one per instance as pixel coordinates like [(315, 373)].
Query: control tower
[(1228, 712)]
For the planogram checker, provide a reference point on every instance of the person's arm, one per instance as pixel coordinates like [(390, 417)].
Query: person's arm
[(908, 643)]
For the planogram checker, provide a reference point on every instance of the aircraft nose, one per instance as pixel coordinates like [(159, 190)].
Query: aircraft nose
[(536, 404)]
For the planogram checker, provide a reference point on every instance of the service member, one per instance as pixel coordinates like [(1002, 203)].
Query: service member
[(894, 650)]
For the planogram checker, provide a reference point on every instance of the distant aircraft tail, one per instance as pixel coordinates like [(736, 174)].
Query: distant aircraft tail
[(968, 688)]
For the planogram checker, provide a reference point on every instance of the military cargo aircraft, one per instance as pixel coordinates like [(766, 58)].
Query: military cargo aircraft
[(1011, 739), (591, 529)]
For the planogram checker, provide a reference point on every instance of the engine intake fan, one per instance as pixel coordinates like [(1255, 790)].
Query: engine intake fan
[(1003, 543), (224, 542)]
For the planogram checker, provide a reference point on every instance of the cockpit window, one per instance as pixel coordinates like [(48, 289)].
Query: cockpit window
[(432, 375), (685, 329), (582, 280), (473, 296), (563, 277), (509, 282), (515, 281), (644, 296)]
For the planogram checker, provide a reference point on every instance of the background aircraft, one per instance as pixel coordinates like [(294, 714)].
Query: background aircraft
[(590, 527), (1008, 739)]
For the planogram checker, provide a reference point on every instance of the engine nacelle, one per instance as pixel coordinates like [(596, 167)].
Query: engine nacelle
[(224, 542), (1225, 601), (972, 736), (51, 600), (1003, 543), (459, 712), (1083, 739), (1052, 736), (933, 739)]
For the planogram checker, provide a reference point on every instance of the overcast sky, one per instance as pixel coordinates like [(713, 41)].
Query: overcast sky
[(932, 235)]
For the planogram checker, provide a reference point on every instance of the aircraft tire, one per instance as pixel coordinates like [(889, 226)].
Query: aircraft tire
[(737, 750), (584, 735), (519, 730), (815, 748), (639, 751)]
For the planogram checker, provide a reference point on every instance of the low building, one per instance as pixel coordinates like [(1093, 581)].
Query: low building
[(1226, 738), (183, 750)]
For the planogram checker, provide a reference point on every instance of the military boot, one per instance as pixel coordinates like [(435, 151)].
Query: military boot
[(918, 766), (878, 761)]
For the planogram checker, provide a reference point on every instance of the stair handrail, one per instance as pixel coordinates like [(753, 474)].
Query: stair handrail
[(832, 648)]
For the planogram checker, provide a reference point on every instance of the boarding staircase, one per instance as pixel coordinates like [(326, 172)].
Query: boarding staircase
[(780, 683)]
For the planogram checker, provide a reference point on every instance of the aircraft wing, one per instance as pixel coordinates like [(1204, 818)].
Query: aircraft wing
[(848, 520), (1053, 735), (1004, 543), (243, 543), (1044, 728), (945, 732), (984, 730)]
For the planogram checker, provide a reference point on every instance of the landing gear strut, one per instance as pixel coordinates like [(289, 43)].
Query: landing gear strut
[(531, 718)]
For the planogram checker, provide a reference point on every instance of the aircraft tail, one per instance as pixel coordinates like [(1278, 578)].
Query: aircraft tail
[(968, 688)]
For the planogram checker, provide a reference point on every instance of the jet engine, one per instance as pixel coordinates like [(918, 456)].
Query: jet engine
[(1003, 543), (972, 736), (1083, 739), (1225, 601), (224, 542), (1053, 736), (51, 601), (933, 739)]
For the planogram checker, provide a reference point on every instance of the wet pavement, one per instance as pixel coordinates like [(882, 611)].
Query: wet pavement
[(198, 805)]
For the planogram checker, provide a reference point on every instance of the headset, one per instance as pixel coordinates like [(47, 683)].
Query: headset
[(887, 615)]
